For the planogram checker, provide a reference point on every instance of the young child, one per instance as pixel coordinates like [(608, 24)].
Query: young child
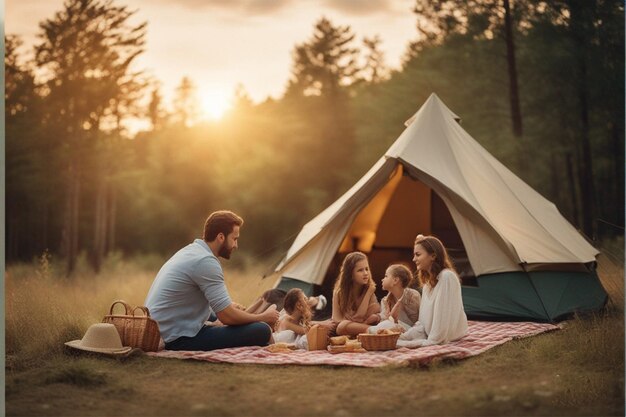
[(276, 296), (400, 307), (355, 307), (295, 321)]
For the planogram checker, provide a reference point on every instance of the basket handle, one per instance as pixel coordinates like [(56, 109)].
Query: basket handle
[(142, 308), (127, 307)]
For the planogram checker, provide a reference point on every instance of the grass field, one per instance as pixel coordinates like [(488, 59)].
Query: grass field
[(577, 371)]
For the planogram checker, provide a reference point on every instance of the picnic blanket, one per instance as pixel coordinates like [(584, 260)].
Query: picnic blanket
[(481, 337)]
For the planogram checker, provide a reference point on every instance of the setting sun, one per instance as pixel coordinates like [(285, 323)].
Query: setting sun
[(215, 104)]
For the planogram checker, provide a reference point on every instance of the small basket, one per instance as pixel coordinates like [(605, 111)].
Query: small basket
[(378, 341), (138, 331)]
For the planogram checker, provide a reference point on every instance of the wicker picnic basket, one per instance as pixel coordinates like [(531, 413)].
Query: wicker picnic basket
[(378, 341), (138, 331)]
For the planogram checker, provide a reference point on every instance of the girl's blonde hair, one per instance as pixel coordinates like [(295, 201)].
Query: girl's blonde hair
[(433, 246), (344, 282), (404, 275), (296, 300)]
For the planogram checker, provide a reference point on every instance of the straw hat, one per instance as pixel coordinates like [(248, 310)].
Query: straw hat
[(101, 338)]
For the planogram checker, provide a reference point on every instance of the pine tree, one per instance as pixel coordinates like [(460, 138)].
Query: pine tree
[(374, 69), (155, 111), (326, 62), (440, 19), (29, 164), (186, 104), (322, 69), (87, 49)]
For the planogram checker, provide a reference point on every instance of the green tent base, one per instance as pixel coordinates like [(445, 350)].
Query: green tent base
[(543, 296)]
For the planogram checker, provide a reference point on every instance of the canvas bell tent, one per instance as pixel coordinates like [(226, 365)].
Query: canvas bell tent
[(518, 257)]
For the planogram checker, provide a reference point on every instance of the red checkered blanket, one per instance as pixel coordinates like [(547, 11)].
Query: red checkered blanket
[(481, 336)]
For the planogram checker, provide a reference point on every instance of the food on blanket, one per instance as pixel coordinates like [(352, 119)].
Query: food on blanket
[(338, 340), (340, 344), (352, 346), (281, 347)]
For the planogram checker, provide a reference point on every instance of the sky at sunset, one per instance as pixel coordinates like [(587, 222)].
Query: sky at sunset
[(220, 43)]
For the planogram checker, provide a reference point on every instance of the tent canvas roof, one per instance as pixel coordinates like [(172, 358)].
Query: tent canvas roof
[(502, 221)]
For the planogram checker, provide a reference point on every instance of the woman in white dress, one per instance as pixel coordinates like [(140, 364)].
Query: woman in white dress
[(442, 318)]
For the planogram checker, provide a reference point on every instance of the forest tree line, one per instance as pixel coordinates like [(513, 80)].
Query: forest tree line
[(539, 84)]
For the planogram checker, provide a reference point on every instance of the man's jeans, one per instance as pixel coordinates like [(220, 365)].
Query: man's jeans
[(211, 337)]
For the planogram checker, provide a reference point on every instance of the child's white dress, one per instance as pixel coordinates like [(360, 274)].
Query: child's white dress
[(289, 336)]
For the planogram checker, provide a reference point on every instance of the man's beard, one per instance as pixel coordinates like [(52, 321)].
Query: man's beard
[(225, 251)]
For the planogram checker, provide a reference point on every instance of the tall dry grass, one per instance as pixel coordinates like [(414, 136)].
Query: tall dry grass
[(595, 341), (44, 309)]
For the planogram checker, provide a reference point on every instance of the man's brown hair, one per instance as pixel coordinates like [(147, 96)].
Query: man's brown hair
[(222, 221)]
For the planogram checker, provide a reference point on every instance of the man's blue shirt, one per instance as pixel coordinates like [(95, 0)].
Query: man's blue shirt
[(189, 286)]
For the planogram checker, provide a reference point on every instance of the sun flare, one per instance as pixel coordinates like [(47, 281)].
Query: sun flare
[(215, 105)]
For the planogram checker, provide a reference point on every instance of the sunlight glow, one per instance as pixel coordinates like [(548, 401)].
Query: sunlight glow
[(214, 104)]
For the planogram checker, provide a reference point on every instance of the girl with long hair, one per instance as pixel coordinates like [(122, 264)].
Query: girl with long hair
[(355, 307)]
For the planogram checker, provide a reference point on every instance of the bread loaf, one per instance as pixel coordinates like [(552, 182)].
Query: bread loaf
[(281, 347), (338, 340), (353, 344)]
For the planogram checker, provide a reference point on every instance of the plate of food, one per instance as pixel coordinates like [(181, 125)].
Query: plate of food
[(342, 344)]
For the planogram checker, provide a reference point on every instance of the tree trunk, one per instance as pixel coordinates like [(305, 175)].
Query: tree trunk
[(112, 218), (554, 177), (13, 238), (587, 188), (617, 148), (572, 184), (75, 216), (516, 113), (70, 228), (44, 226), (578, 30), (100, 229)]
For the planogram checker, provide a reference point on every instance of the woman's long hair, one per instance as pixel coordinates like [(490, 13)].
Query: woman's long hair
[(433, 246), (343, 284)]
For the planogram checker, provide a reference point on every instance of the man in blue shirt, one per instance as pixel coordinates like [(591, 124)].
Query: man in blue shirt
[(190, 288)]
